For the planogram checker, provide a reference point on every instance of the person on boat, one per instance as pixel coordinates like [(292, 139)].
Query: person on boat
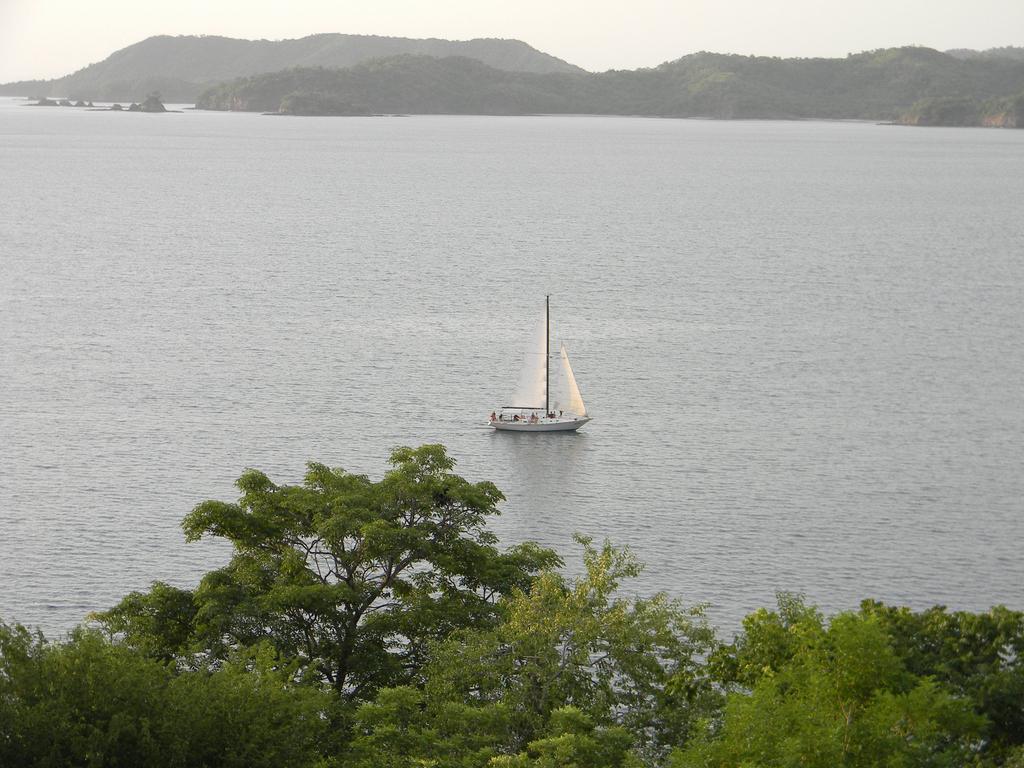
[(494, 417), (515, 417), (533, 418)]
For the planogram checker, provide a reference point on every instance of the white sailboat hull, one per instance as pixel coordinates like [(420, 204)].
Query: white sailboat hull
[(544, 425)]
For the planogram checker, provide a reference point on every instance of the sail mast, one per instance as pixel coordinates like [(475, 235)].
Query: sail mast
[(547, 354)]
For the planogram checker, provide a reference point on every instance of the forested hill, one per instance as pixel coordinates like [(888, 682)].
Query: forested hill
[(355, 74), (182, 67), (1006, 52), (917, 85)]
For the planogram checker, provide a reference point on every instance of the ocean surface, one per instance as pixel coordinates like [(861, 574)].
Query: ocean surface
[(802, 343)]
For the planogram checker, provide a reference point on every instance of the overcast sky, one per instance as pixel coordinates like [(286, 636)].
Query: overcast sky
[(50, 38)]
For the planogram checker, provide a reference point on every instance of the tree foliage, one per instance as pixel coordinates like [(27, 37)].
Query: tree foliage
[(352, 579), (405, 727), (835, 694), (89, 702), (571, 740), (376, 624), (978, 656), (574, 671)]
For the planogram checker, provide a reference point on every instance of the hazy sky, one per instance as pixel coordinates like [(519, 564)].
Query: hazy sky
[(49, 38)]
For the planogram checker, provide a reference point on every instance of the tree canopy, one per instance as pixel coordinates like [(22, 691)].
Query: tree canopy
[(350, 578), (376, 623), (831, 695), (88, 702)]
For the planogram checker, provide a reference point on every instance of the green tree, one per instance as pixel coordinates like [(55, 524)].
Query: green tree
[(976, 655), (84, 702), (837, 695), (624, 662), (404, 727), (768, 641), (572, 741), (159, 623), (247, 713), (352, 579), (89, 702)]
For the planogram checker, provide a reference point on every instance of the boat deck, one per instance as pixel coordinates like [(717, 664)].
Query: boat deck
[(558, 424)]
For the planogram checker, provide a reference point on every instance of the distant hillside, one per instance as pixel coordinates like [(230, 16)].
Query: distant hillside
[(1006, 52), (416, 84), (877, 85), (353, 74), (874, 85), (182, 67)]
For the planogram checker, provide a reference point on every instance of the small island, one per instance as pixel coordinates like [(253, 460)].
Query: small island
[(152, 104), (46, 102)]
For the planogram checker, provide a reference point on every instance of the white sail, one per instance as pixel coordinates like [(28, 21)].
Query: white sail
[(532, 387), (566, 393)]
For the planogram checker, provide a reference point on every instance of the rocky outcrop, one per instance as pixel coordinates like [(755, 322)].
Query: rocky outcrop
[(941, 111), (1002, 120), (958, 112), (1004, 113), (153, 104)]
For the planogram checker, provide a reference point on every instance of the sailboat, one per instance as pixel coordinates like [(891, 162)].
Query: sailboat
[(547, 398)]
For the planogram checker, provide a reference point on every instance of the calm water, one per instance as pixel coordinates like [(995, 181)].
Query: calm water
[(803, 343)]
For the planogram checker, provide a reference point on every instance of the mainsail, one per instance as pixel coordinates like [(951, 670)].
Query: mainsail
[(532, 387)]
